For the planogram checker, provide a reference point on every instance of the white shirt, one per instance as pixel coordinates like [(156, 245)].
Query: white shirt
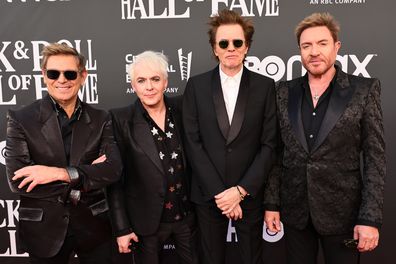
[(230, 88)]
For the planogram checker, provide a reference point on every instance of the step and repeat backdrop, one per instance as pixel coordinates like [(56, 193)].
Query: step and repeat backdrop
[(111, 33)]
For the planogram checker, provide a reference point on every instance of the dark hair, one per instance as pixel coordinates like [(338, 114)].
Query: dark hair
[(229, 17), (61, 49), (318, 20)]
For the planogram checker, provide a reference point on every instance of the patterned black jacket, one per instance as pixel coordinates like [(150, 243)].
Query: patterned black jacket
[(340, 182)]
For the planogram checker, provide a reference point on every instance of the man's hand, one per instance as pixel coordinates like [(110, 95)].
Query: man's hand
[(39, 174), (368, 237), (236, 213), (227, 200), (272, 220), (100, 159), (125, 241)]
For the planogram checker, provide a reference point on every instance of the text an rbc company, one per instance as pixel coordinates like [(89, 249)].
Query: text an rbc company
[(275, 68)]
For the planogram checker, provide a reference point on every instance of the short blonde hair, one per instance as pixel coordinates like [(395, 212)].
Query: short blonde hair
[(318, 20)]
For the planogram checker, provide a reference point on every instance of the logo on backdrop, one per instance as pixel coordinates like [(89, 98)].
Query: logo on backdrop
[(267, 235), (271, 236), (184, 64), (2, 152), (276, 68), (20, 71), (184, 60), (150, 9), (336, 2)]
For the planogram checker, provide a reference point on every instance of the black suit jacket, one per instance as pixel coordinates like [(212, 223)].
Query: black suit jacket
[(330, 183), (137, 200), (221, 155), (34, 138)]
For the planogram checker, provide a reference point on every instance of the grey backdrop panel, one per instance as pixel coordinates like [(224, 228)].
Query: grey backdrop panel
[(110, 33)]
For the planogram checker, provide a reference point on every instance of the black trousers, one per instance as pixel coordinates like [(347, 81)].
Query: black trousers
[(213, 228), (302, 247), (101, 254), (147, 250)]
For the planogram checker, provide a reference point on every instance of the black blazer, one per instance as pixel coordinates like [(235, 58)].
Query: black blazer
[(137, 200), (34, 138), (221, 155), (329, 183)]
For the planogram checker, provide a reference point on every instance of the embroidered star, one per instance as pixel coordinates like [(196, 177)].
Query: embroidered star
[(169, 134), (171, 170), (168, 205), (161, 155), (171, 125), (154, 131), (174, 155), (178, 185), (172, 189)]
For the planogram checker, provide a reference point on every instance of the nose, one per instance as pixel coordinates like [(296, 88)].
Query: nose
[(149, 85), (315, 50), (62, 78)]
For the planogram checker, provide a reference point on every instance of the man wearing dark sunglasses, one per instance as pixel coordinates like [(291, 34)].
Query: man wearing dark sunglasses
[(60, 154), (230, 125)]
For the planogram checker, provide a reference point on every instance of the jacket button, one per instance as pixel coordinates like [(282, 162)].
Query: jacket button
[(229, 150), (65, 217)]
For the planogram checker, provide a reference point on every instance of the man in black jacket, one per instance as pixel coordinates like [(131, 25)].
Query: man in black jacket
[(329, 182), (151, 201), (60, 154), (229, 116)]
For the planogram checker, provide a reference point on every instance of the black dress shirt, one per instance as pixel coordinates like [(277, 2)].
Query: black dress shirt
[(176, 204), (312, 117)]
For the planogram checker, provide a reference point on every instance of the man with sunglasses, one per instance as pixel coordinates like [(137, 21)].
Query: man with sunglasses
[(229, 116), (60, 154)]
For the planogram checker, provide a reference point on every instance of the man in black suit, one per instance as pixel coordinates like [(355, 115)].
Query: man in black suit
[(151, 201), (329, 181), (229, 117), (60, 154)]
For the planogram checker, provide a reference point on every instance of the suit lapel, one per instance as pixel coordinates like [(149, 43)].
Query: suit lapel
[(218, 100), (82, 131), (50, 129), (340, 96), (240, 108), (294, 106), (143, 136)]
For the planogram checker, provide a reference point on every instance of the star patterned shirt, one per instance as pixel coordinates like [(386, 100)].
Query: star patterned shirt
[(176, 204)]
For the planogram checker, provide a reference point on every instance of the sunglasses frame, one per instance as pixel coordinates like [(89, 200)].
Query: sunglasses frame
[(224, 43), (54, 74)]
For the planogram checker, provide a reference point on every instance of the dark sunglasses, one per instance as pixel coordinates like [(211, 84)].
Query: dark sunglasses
[(54, 74), (236, 42)]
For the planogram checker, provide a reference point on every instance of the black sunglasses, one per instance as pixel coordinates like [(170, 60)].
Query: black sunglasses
[(236, 42), (54, 74)]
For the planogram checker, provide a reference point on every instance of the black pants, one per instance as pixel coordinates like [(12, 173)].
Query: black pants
[(213, 228), (147, 251), (99, 255), (302, 247)]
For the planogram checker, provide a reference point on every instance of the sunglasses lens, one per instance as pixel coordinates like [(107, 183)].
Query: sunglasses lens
[(70, 75), (237, 43), (223, 44), (53, 74)]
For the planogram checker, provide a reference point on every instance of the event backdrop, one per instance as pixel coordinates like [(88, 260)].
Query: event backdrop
[(111, 33)]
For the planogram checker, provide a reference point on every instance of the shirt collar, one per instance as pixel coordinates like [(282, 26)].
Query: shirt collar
[(77, 108), (237, 77)]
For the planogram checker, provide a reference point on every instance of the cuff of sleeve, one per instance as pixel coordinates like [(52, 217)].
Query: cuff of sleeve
[(123, 232), (368, 223), (271, 207), (74, 176)]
